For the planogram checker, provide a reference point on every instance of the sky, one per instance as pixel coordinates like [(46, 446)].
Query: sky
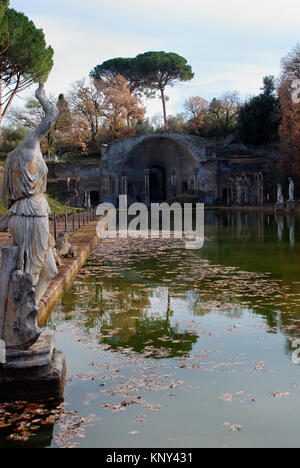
[(231, 45)]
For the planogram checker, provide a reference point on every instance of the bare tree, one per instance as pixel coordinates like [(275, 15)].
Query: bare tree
[(87, 103), (224, 111)]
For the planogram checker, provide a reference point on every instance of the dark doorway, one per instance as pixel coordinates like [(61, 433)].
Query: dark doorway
[(184, 187), (225, 195), (157, 184), (95, 198)]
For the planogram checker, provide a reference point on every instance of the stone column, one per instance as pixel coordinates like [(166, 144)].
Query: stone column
[(260, 188), (231, 191), (228, 195), (124, 183), (147, 186), (117, 185), (196, 180), (238, 191), (111, 184), (173, 181)]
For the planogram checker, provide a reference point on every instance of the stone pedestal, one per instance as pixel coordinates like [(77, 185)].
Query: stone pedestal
[(279, 206), (34, 374), (290, 205), (30, 368)]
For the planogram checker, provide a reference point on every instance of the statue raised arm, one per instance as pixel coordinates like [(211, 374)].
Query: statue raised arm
[(23, 191)]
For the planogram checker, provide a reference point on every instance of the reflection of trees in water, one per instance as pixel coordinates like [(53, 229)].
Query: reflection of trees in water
[(150, 333), (124, 301), (247, 227), (122, 308)]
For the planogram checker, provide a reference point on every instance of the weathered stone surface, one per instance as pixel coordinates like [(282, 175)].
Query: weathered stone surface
[(9, 257), (18, 307), (63, 246), (18, 385), (84, 178), (35, 357), (219, 170), (23, 189), (161, 154)]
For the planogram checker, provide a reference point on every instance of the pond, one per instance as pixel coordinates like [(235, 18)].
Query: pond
[(168, 347)]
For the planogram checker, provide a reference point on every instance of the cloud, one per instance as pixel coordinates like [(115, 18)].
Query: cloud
[(230, 45)]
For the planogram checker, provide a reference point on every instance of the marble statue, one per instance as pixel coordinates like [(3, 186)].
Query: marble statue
[(31, 368), (291, 189), (23, 190), (279, 194)]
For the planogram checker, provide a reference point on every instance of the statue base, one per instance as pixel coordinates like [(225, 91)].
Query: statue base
[(34, 374), (37, 356), (290, 205), (279, 207)]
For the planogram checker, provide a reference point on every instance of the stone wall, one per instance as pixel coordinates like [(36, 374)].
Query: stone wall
[(158, 167), (74, 181)]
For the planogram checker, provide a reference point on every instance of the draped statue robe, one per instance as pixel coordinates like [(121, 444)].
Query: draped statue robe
[(23, 191)]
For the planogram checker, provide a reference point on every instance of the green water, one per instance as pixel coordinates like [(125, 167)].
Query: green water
[(166, 346)]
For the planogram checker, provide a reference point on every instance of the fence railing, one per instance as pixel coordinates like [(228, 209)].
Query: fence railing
[(73, 220)]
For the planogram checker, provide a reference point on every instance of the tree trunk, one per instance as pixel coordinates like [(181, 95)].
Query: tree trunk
[(164, 107), (0, 100), (8, 103)]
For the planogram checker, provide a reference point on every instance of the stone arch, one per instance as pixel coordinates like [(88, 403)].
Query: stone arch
[(162, 151), (163, 155)]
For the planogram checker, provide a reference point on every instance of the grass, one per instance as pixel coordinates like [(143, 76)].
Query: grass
[(78, 159), (54, 206), (58, 207), (2, 208)]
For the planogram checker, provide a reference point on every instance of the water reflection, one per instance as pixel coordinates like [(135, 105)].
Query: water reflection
[(132, 304), (280, 227), (238, 296), (249, 227), (129, 315), (291, 225)]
